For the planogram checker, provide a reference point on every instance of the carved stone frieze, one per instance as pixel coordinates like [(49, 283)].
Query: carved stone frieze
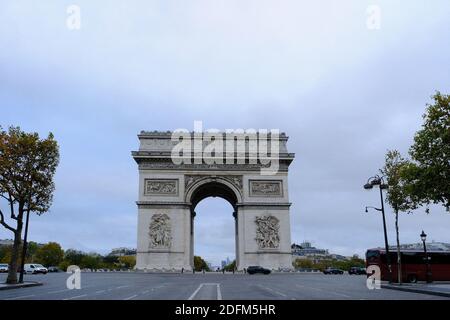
[(161, 187), (235, 180), (267, 232), (266, 188), (160, 232)]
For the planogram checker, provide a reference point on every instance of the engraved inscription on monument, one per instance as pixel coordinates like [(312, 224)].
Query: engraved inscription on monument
[(160, 232), (267, 232), (161, 187), (266, 188)]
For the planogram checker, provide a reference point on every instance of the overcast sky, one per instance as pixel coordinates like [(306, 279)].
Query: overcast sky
[(343, 93)]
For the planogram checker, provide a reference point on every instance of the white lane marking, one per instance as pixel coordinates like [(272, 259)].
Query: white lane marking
[(195, 292), (132, 297), (219, 293), (155, 288), (321, 290), (59, 291), (21, 297), (274, 291), (122, 287), (76, 297), (145, 292), (280, 293), (100, 291)]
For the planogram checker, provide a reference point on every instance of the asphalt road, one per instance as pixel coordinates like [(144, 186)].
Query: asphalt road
[(141, 286)]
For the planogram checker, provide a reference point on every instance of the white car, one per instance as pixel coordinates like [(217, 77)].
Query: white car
[(35, 268), (4, 268)]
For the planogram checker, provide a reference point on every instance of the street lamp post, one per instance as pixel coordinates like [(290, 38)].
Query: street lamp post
[(423, 236), (378, 181)]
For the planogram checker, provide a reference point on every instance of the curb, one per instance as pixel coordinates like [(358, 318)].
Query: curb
[(20, 285), (416, 290)]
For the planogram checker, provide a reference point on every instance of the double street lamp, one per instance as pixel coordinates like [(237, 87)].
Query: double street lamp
[(423, 237), (379, 181)]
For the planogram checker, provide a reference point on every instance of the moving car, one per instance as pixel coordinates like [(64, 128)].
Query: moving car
[(357, 270), (258, 269), (333, 271), (4, 268), (35, 268)]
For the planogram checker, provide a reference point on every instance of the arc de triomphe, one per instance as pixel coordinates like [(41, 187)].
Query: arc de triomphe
[(169, 193)]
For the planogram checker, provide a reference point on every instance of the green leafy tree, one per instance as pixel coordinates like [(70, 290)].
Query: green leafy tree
[(73, 257), (64, 265), (110, 259), (303, 264), (430, 152), (127, 261), (231, 267), (91, 261), (27, 167), (5, 254), (50, 254), (200, 264), (32, 248), (399, 193)]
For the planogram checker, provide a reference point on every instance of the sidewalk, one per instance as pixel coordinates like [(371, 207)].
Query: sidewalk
[(438, 288), (26, 284)]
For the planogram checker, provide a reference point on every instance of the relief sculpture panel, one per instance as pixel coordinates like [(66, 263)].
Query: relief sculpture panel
[(267, 232), (161, 187), (266, 188)]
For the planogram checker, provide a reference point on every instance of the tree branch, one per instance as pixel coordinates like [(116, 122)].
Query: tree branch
[(3, 223), (11, 205)]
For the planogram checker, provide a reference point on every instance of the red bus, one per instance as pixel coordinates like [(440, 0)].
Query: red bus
[(414, 267)]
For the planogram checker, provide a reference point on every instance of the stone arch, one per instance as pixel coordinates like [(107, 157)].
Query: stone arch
[(210, 186), (166, 188)]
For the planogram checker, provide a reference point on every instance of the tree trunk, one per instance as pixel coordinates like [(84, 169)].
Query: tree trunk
[(399, 258), (13, 264)]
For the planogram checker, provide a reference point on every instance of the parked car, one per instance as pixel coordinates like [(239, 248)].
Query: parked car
[(258, 269), (357, 270), (333, 271), (53, 269), (4, 268), (35, 268)]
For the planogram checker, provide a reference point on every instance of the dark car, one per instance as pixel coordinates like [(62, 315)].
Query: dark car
[(53, 269), (357, 270), (333, 271), (257, 269)]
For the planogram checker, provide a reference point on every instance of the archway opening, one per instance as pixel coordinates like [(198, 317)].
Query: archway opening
[(214, 232), (214, 225)]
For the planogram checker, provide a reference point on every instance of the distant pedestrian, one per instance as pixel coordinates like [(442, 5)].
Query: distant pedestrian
[(182, 270)]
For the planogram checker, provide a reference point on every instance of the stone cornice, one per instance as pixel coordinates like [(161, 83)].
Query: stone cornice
[(164, 204), (179, 204), (264, 204), (168, 156), (168, 134)]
